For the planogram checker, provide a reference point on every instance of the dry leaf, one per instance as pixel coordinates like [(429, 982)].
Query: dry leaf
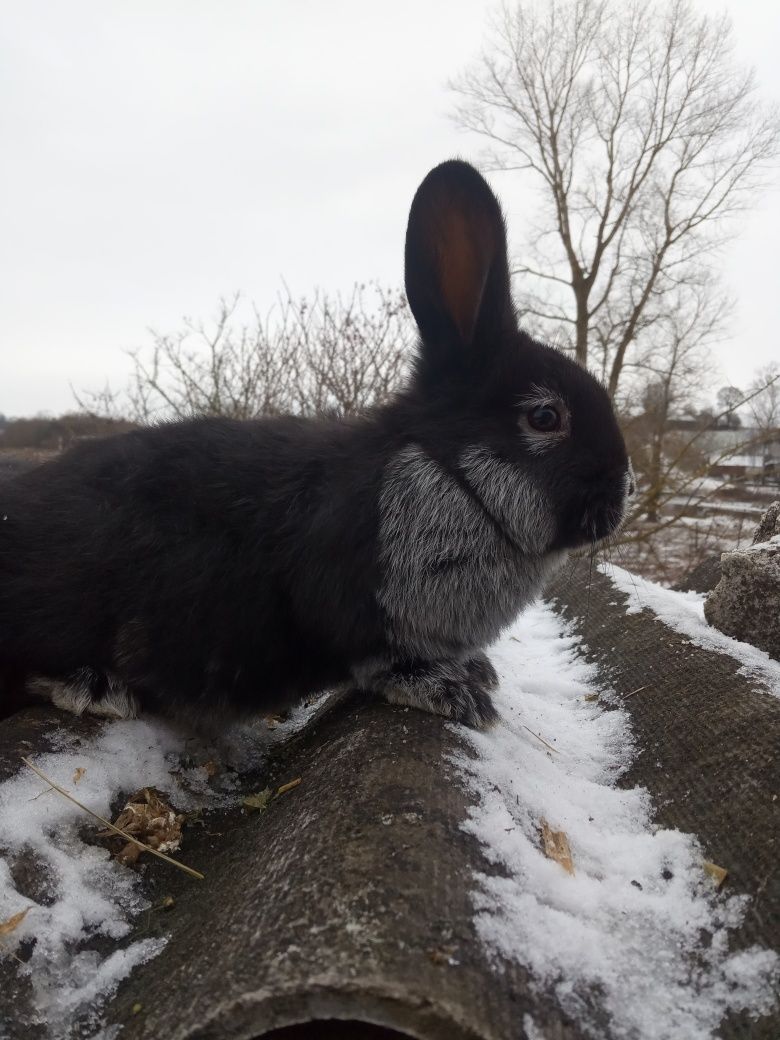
[(556, 846), (79, 774), (149, 818), (259, 801), (591, 697), (288, 787), (210, 768), (718, 874), (6, 927)]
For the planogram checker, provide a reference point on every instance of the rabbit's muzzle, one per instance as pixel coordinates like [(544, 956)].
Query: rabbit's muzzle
[(605, 509)]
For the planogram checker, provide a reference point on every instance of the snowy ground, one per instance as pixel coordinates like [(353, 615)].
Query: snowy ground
[(91, 895), (684, 612), (627, 923)]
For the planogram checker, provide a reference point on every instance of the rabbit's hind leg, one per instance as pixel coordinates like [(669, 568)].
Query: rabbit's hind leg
[(88, 691)]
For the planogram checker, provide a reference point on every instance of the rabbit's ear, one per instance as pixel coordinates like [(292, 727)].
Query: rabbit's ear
[(457, 275)]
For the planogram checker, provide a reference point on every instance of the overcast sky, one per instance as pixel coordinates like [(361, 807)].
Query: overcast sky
[(157, 155)]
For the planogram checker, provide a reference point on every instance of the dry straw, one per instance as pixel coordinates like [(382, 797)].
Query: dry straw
[(110, 826)]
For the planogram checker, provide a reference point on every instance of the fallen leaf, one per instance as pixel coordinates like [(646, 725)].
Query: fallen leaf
[(556, 846), (79, 774), (718, 874), (259, 801), (210, 768), (590, 697), (6, 927)]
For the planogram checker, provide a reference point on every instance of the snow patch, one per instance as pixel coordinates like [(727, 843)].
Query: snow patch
[(87, 895), (626, 931), (684, 612)]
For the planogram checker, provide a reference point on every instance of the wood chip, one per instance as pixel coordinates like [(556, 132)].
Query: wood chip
[(556, 846), (718, 874), (443, 955), (148, 818)]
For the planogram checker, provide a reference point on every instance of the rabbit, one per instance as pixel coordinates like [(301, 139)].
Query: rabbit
[(218, 568)]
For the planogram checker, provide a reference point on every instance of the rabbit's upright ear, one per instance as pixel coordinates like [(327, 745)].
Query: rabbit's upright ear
[(457, 275)]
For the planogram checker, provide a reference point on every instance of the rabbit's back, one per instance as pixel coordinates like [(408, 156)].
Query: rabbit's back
[(209, 560)]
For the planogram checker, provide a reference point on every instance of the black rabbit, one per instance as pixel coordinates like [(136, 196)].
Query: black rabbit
[(215, 566)]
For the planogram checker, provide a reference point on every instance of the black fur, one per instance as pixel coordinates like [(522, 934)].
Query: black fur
[(217, 566)]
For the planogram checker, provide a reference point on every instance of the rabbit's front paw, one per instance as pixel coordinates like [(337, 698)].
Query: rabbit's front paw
[(471, 704), (481, 670), (454, 689)]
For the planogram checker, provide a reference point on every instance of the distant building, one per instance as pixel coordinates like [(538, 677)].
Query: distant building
[(739, 453), (744, 454)]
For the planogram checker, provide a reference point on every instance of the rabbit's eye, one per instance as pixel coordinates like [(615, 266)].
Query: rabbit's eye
[(544, 418)]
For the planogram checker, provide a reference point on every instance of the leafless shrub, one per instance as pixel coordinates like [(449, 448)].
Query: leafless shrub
[(306, 356)]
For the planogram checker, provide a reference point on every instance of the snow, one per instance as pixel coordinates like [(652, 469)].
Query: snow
[(628, 925), (90, 894), (684, 612)]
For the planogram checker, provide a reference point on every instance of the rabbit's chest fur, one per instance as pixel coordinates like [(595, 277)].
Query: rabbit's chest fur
[(453, 576)]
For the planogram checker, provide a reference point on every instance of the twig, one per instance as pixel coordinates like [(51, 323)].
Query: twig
[(10, 952), (107, 823), (638, 691), (554, 750), (288, 787)]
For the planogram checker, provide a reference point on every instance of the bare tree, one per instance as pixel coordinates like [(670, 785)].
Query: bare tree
[(307, 356), (685, 508), (729, 399), (671, 374), (765, 405), (643, 137)]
